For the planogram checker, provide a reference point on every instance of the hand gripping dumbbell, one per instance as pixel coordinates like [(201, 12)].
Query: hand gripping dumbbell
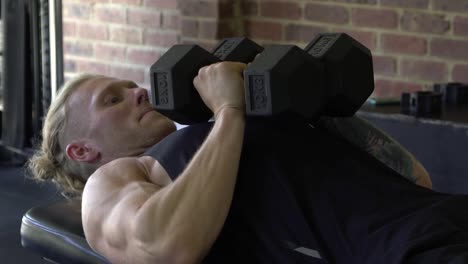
[(332, 76), (172, 76)]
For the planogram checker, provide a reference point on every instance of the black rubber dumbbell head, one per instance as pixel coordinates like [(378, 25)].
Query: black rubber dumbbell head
[(239, 49), (348, 70), (282, 80), (172, 87)]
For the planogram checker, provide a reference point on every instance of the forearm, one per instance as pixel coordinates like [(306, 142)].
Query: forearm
[(198, 202), (365, 136)]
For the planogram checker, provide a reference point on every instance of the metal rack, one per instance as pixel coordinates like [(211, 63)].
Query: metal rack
[(32, 69)]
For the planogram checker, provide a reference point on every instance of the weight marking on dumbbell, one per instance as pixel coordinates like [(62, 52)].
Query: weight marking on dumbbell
[(258, 93), (163, 88), (226, 47), (322, 45)]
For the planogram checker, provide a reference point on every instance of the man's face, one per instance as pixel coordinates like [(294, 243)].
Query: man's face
[(117, 117)]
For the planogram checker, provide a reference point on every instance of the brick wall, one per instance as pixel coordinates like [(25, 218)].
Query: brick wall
[(414, 42), (117, 37)]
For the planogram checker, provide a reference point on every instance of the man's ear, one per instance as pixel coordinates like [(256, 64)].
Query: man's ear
[(82, 152)]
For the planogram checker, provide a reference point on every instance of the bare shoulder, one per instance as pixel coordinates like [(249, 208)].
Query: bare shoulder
[(115, 175), (112, 195)]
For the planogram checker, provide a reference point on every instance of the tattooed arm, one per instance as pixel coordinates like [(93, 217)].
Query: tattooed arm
[(364, 135)]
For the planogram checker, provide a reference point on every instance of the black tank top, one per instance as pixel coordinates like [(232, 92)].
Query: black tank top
[(264, 224), (304, 196)]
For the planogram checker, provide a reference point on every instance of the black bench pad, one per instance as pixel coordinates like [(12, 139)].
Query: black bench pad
[(55, 232)]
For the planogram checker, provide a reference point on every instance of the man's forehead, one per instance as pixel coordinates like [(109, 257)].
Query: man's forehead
[(88, 89)]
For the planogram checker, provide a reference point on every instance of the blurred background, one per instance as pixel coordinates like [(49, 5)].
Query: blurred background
[(414, 42)]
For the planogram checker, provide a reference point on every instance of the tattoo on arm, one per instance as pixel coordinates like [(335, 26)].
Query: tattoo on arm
[(365, 136)]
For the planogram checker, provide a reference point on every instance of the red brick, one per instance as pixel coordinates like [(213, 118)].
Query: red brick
[(384, 65), (127, 2), (302, 33), (126, 35), (170, 21), (190, 28), (127, 72), (106, 13), (249, 8), (460, 73), (394, 89), (198, 8), (449, 48), (366, 38), (286, 10), (423, 22), (460, 26), (69, 65), (142, 56), (227, 29), (93, 31), (421, 4), (78, 48), (143, 18), (76, 10), (166, 4), (206, 44), (375, 18), (109, 52), (326, 13), (69, 28), (404, 44), (263, 30), (450, 5), (424, 70), (208, 29), (161, 39), (362, 2), (91, 67)]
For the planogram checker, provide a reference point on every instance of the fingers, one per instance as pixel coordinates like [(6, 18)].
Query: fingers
[(222, 67), (221, 84)]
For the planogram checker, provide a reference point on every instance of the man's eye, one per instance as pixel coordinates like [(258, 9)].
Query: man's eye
[(113, 100)]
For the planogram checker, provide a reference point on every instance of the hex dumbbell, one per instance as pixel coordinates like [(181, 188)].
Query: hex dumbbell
[(332, 76), (172, 76)]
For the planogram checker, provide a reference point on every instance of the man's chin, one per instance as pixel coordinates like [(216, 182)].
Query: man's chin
[(158, 128)]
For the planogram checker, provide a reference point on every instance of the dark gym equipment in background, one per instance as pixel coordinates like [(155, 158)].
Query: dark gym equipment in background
[(29, 74), (31, 66)]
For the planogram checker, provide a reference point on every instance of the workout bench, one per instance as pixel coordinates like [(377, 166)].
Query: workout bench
[(55, 233)]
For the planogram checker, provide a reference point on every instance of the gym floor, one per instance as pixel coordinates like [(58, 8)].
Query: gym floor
[(17, 195)]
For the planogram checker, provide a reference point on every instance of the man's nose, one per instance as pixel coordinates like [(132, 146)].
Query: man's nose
[(141, 95)]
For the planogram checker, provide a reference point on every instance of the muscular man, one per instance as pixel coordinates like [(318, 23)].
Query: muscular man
[(237, 190)]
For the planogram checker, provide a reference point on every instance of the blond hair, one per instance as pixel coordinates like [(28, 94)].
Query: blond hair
[(50, 162)]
